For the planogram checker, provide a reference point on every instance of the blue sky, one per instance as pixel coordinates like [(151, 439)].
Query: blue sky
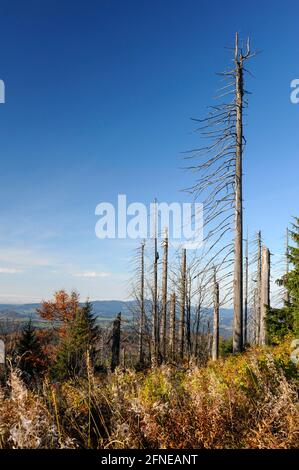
[(99, 96)]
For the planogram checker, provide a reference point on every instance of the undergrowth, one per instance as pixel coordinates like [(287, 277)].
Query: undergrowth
[(245, 401)]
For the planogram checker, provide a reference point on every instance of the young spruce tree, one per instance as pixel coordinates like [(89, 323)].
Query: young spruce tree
[(283, 321), (79, 339), (30, 352)]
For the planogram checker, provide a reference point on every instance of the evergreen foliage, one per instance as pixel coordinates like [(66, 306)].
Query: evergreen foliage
[(284, 321), (79, 339), (29, 350)]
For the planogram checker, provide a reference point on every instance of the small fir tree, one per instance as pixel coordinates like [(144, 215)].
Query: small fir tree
[(284, 321), (80, 338), (29, 350)]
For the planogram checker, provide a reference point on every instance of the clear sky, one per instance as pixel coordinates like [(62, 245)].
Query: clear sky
[(99, 96)]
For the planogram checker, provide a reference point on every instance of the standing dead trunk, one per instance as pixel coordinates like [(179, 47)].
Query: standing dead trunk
[(154, 346), (258, 288), (142, 311), (220, 182), (164, 297), (188, 315), (215, 342), (209, 341), (198, 315), (286, 293), (115, 349), (265, 293), (182, 306), (238, 244), (172, 327), (246, 295)]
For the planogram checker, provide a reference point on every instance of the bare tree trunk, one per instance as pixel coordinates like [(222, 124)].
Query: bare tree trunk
[(215, 342), (258, 288), (196, 346), (154, 347), (164, 297), (238, 245), (209, 342), (172, 326), (246, 295), (115, 349), (286, 294), (182, 306), (265, 293), (220, 181), (188, 315), (142, 312)]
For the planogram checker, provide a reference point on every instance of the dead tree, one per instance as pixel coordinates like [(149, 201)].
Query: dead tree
[(197, 291), (254, 290), (215, 341), (172, 326), (182, 306), (197, 324), (286, 292), (265, 293), (198, 316), (154, 339), (142, 309), (220, 182), (140, 324), (238, 245), (115, 348), (258, 288), (246, 294), (163, 348), (188, 311)]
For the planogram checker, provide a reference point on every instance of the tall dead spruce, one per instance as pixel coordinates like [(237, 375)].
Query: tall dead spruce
[(286, 292), (265, 293), (163, 337), (182, 327), (215, 343), (142, 309), (257, 300), (154, 336), (246, 294), (219, 165), (172, 326)]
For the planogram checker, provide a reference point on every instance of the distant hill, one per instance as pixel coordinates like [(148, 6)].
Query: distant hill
[(105, 310)]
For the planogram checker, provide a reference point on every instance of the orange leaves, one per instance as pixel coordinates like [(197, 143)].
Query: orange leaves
[(61, 310)]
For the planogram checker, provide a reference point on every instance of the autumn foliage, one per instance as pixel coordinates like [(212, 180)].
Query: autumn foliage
[(60, 311)]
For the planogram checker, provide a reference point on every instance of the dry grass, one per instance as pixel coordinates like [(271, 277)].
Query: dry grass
[(247, 401)]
